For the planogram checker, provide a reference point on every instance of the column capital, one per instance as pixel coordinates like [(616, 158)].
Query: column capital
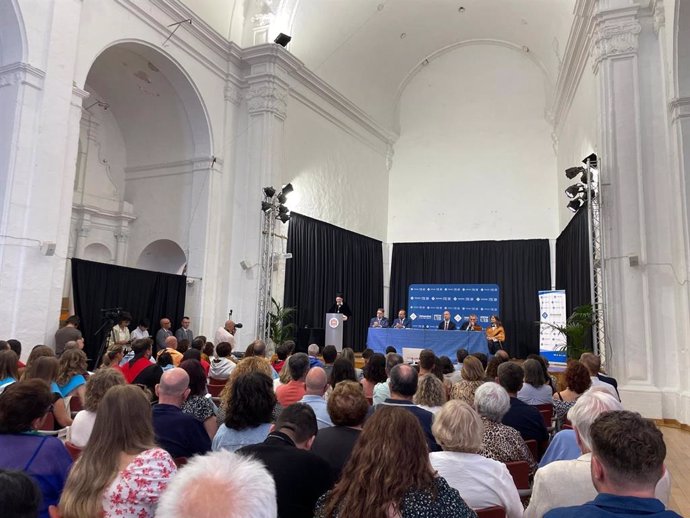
[(267, 97), (615, 33), (659, 15)]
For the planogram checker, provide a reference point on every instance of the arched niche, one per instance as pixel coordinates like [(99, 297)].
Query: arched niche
[(98, 252), (12, 37), (163, 255)]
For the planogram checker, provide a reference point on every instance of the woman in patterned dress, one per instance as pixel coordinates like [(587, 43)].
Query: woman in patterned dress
[(120, 473)]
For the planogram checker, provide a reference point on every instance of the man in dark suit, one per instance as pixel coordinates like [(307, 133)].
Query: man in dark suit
[(446, 324), (301, 477), (379, 320), (402, 321), (471, 324), (340, 306)]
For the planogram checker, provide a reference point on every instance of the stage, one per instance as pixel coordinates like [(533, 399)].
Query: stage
[(443, 343)]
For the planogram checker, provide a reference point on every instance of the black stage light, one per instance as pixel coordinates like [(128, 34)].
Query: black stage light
[(573, 190), (284, 217), (593, 160), (572, 172), (282, 209), (269, 192), (265, 206), (282, 198), (282, 39), (575, 205), (287, 189)]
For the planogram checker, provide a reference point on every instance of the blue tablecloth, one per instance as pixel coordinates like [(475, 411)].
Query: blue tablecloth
[(443, 343)]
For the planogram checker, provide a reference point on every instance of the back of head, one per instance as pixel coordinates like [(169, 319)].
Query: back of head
[(241, 487), (197, 376), (259, 348), (198, 343), (20, 496), (631, 449), (393, 359), (251, 401), (372, 478), (299, 421), (282, 352), (482, 358), (44, 368), (446, 365), (458, 427), (171, 342), (577, 377), (8, 364), (492, 367), (38, 352), (592, 362), (330, 353), (461, 354), (98, 385), (403, 380), (316, 381), (16, 346), (391, 349), (534, 373), (348, 354), (367, 353), (299, 365), (290, 344), (223, 349), (503, 354), (510, 376), (375, 370), (427, 359), (491, 401), (73, 320), (141, 345), (313, 350), (72, 362), (184, 345), (192, 354), (588, 407), (472, 369), (342, 370), (174, 383), (22, 403), (347, 405), (430, 392)]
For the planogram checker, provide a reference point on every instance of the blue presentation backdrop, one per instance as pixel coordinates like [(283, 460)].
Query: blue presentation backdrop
[(427, 302)]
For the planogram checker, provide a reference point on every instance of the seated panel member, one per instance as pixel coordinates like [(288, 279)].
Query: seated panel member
[(471, 324), (402, 321), (447, 324), (379, 320)]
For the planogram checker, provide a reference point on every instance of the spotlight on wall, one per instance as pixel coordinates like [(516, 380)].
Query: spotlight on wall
[(266, 206), (573, 190), (575, 205), (269, 192), (287, 189), (282, 39), (572, 172), (282, 209), (282, 198), (284, 217), (593, 161)]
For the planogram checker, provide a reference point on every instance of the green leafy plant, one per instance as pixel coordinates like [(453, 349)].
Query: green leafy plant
[(278, 321), (577, 328)]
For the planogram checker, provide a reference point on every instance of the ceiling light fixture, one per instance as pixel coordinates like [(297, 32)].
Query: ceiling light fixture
[(461, 9), (572, 172)]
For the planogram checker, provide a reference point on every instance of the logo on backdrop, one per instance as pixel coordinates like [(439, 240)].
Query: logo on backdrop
[(333, 323), (427, 302), (553, 311)]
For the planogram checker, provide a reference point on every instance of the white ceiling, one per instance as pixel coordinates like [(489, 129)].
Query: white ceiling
[(357, 45)]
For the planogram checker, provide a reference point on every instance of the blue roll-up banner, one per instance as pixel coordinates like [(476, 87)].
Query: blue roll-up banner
[(427, 302), (552, 311)]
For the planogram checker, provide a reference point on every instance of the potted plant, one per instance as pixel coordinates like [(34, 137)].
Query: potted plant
[(577, 331), (280, 329)]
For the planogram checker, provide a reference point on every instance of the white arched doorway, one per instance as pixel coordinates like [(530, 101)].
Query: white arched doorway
[(98, 252), (163, 255)]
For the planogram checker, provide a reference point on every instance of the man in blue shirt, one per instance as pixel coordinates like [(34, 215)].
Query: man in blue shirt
[(628, 454), (180, 434), (315, 384)]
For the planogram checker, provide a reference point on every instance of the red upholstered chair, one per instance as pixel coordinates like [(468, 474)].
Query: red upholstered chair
[(48, 424), (520, 472), (491, 512), (75, 404), (546, 412), (74, 451), (533, 448), (180, 461), (215, 390)]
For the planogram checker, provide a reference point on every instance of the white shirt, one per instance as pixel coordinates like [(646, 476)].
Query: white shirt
[(596, 382), (535, 395), (481, 482), (381, 392), (80, 431), (223, 335), (138, 334), (566, 483)]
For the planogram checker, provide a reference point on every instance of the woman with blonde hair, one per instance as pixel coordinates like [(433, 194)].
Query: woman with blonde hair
[(482, 482), (71, 375), (472, 374), (431, 394), (373, 483), (121, 473)]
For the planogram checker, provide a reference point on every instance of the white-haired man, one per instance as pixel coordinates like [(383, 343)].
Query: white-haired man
[(569, 482), (239, 487)]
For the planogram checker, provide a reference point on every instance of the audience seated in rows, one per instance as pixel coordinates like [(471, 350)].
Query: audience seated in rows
[(472, 375), (171, 347), (427, 361), (45, 368), (525, 418), (197, 404), (568, 482), (387, 477), (492, 367), (535, 389), (294, 390), (249, 412), (222, 366), (313, 352), (347, 409), (282, 353), (431, 393), (577, 381), (343, 370), (315, 385), (374, 372), (349, 354), (245, 366), (121, 470), (403, 386), (139, 370), (382, 390), (300, 476), (481, 482), (96, 387), (23, 406), (178, 433), (627, 464), (499, 442), (72, 373), (20, 496), (550, 380), (330, 354), (220, 484)]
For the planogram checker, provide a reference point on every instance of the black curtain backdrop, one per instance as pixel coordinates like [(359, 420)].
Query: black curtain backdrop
[(142, 293), (573, 262), (520, 268), (325, 260)]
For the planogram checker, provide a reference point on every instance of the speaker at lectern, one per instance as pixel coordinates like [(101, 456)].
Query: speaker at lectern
[(334, 330)]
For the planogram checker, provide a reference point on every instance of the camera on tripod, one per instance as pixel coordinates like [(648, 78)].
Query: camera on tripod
[(111, 313)]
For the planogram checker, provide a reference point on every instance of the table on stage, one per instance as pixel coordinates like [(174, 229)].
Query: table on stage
[(443, 343)]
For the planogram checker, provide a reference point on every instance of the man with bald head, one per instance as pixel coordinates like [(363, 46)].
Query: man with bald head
[(170, 346), (315, 385), (180, 434), (226, 334), (163, 333)]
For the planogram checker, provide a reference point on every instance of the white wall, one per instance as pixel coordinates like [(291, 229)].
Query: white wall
[(337, 177), (474, 160)]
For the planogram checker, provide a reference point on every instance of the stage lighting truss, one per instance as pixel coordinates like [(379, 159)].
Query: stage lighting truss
[(586, 193), (272, 210)]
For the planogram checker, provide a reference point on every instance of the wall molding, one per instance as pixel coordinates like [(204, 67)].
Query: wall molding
[(161, 169), (20, 73), (679, 108)]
